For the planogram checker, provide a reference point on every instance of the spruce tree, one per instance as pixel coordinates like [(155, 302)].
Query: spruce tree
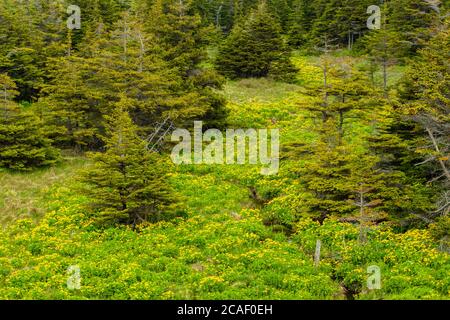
[(350, 181), (183, 38), (71, 107), (127, 183), (350, 92), (30, 33), (384, 48), (326, 177), (406, 198), (425, 102), (86, 85), (344, 89), (129, 59), (23, 138), (19, 40), (299, 22), (413, 20), (255, 48)]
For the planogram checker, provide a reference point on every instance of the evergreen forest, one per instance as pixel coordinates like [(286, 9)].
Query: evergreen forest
[(136, 136)]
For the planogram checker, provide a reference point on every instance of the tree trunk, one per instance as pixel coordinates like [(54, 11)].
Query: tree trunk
[(385, 78)]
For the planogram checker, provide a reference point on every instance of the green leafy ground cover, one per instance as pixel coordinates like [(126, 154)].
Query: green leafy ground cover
[(222, 249)]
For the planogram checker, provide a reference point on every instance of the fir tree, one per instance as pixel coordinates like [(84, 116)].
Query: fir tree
[(425, 102), (384, 48), (326, 177), (344, 89), (413, 20), (351, 182), (299, 22), (86, 85), (183, 39), (127, 183), (23, 140), (71, 107), (255, 48), (181, 33), (351, 92), (30, 33)]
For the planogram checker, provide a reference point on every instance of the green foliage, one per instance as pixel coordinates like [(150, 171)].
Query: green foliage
[(255, 48), (414, 20), (128, 58), (31, 33), (411, 267), (331, 170), (214, 256), (70, 106), (183, 40), (23, 194), (299, 22), (128, 182), (366, 174), (440, 230), (23, 138), (209, 255), (384, 46), (424, 102)]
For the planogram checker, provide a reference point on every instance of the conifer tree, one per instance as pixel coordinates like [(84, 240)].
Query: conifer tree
[(351, 182), (129, 60), (350, 91), (344, 89), (325, 26), (255, 48), (127, 183), (341, 20), (85, 85), (183, 39), (181, 33), (299, 22), (326, 177), (23, 140), (384, 48), (425, 101), (340, 181), (406, 196), (71, 106), (18, 55), (281, 10), (413, 20)]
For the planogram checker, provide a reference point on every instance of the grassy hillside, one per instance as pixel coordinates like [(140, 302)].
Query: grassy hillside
[(222, 249), (23, 194)]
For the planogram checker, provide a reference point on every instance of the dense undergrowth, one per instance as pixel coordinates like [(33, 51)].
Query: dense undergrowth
[(222, 249)]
